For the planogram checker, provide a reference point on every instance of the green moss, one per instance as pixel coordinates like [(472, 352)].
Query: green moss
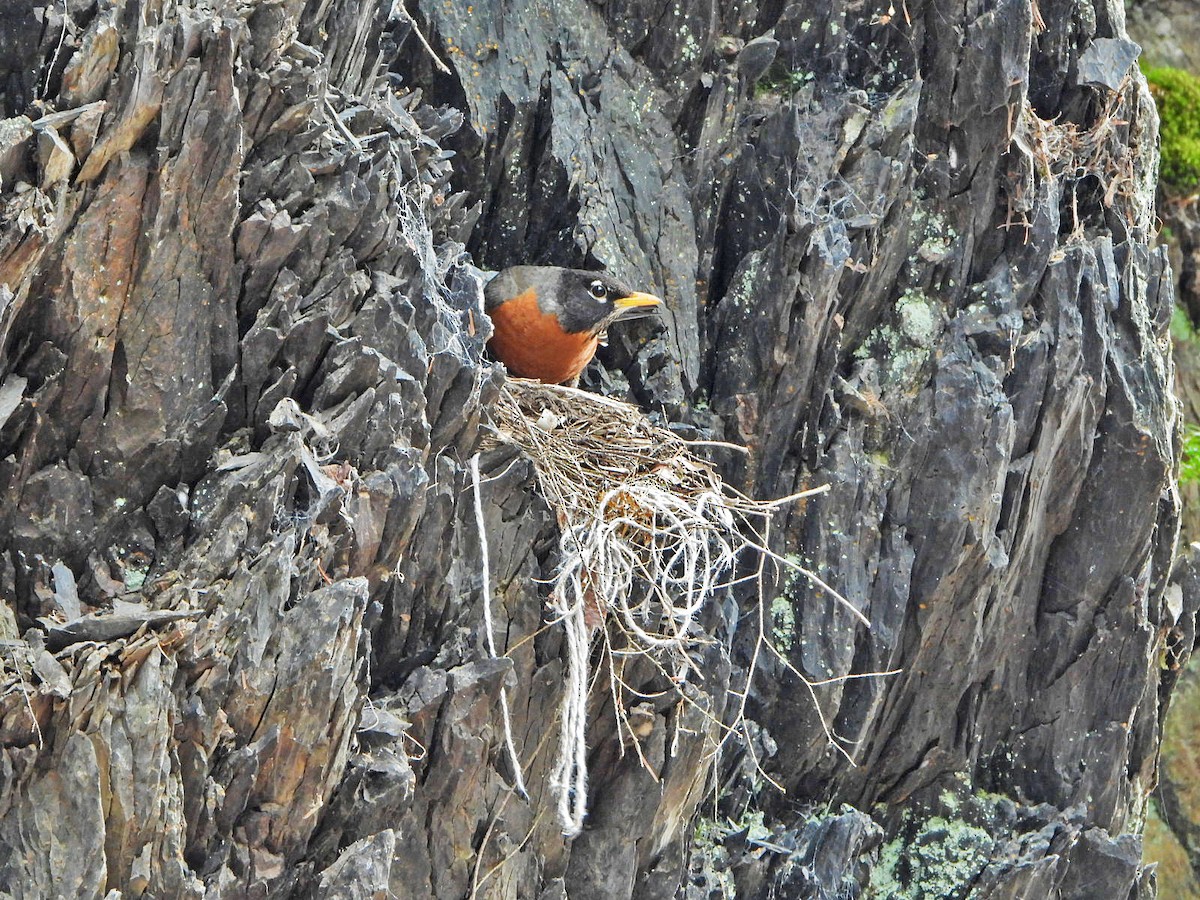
[(917, 321), (905, 345), (941, 860), (1161, 846), (1177, 94), (689, 49), (951, 802), (782, 80), (1181, 325), (709, 866), (783, 623), (937, 235), (783, 607), (1184, 332), (1189, 463), (742, 288), (880, 458)]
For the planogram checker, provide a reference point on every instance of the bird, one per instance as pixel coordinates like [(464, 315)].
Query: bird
[(547, 321)]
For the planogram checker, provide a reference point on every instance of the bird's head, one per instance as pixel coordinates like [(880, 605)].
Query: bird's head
[(583, 302)]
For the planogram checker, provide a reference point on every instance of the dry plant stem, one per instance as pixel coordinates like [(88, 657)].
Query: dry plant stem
[(623, 726), (518, 778), (816, 580), (337, 122), (23, 687), (763, 641), (442, 67), (62, 37), (758, 643), (1064, 150), (476, 881)]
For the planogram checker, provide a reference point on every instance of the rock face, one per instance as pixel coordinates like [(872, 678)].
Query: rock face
[(906, 255), (1170, 36), (1167, 31)]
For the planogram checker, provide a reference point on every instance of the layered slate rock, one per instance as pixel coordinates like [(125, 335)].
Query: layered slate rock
[(242, 368), (906, 254)]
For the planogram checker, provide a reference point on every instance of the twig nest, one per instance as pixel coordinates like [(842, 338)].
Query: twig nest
[(649, 533)]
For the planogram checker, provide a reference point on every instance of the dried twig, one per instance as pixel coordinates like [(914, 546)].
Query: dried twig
[(407, 16), (341, 126), (62, 37), (21, 682)]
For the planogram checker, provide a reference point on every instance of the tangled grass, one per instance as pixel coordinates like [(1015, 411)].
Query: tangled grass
[(1062, 150), (649, 533)]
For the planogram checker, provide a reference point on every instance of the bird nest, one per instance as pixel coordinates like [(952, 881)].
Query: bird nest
[(647, 527), (648, 534)]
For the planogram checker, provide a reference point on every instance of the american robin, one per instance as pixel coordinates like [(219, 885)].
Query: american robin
[(548, 321)]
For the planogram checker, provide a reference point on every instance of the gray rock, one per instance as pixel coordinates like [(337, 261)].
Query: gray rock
[(252, 371), (756, 57), (1106, 62)]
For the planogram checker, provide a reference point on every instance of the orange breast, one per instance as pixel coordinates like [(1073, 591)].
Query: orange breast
[(531, 343)]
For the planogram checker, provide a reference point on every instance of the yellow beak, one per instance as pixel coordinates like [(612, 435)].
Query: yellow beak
[(636, 299)]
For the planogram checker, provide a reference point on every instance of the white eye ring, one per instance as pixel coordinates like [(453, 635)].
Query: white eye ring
[(598, 290)]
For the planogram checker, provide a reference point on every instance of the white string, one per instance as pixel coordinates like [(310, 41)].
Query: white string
[(518, 778), (569, 777)]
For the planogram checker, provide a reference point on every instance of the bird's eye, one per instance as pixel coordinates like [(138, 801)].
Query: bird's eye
[(598, 290)]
